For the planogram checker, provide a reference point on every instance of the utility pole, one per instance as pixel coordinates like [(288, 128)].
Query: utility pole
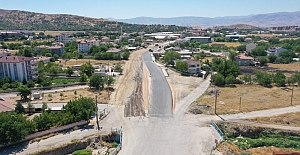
[(216, 98), (97, 114), (292, 94), (240, 103)]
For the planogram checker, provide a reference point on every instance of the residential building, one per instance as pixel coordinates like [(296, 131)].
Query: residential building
[(42, 58), (117, 41), (131, 41), (185, 54), (56, 48), (64, 38), (236, 36), (199, 39), (4, 52), (275, 50), (5, 105), (243, 60), (194, 66), (250, 47), (18, 68), (113, 50), (85, 45), (105, 39)]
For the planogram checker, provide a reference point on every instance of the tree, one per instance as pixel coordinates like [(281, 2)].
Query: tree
[(170, 56), (279, 79), (247, 78), (49, 97), (83, 77), (182, 66), (61, 95), (218, 79), (30, 84), (44, 106), (263, 78), (228, 67), (69, 71), (19, 109), (296, 78), (263, 61), (75, 93), (126, 55), (118, 68), (81, 108), (232, 55), (230, 79), (97, 82), (87, 68), (241, 48), (14, 127), (259, 51), (30, 108), (24, 92), (24, 81), (272, 58), (109, 80)]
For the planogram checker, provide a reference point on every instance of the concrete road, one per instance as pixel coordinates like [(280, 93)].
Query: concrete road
[(161, 133), (161, 95)]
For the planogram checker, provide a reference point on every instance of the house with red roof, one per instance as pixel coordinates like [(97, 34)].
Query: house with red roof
[(243, 60)]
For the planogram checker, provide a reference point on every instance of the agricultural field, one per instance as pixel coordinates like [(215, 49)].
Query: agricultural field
[(253, 97), (68, 95), (73, 62), (229, 44)]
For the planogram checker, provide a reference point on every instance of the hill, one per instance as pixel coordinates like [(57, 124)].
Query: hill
[(260, 20), (24, 20)]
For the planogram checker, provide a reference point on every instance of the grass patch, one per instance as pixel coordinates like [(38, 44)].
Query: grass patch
[(61, 81), (275, 140), (82, 152)]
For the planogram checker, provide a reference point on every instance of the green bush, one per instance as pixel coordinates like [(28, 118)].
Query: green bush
[(114, 144), (82, 152)]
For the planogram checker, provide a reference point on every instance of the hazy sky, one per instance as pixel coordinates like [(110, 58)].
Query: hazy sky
[(153, 8)]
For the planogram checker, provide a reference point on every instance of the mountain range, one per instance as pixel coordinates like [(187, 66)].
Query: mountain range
[(24, 20), (259, 20)]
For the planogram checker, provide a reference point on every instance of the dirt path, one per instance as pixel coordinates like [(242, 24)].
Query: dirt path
[(131, 88), (240, 121)]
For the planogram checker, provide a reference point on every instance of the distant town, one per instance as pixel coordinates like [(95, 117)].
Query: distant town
[(115, 92)]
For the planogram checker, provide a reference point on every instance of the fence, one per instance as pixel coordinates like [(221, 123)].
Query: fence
[(119, 147), (47, 87), (217, 141), (217, 128)]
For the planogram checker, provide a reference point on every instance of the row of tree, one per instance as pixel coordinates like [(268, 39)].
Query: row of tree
[(14, 126)]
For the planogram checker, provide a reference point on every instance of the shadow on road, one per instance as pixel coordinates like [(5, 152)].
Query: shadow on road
[(13, 149)]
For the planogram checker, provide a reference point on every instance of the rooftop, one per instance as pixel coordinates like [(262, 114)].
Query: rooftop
[(5, 104), (13, 59)]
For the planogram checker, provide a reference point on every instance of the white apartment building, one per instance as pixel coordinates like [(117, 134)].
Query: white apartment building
[(18, 68), (84, 45), (275, 50), (64, 38)]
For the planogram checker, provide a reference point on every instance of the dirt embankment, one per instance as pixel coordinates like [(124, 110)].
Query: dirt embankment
[(132, 88)]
